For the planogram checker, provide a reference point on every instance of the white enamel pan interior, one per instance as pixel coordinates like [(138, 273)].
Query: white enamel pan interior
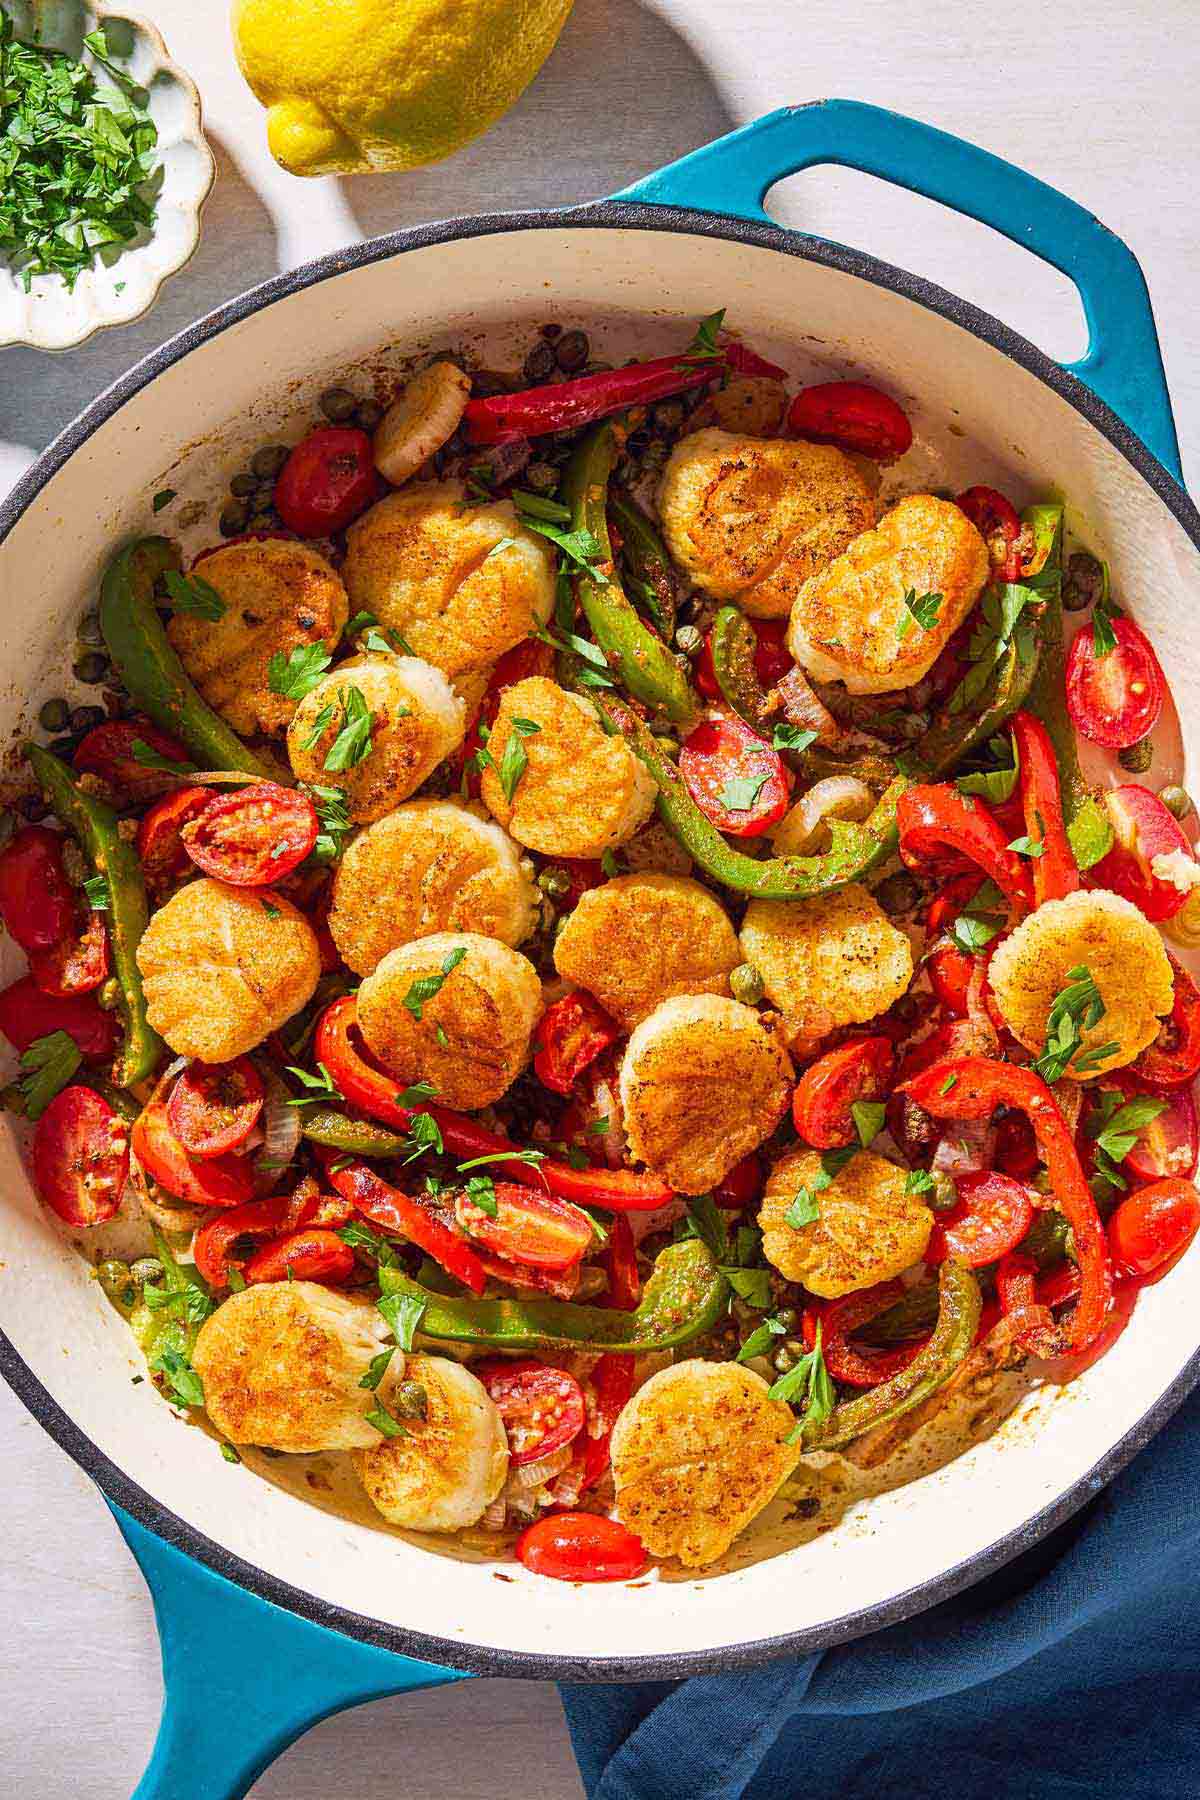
[(187, 420)]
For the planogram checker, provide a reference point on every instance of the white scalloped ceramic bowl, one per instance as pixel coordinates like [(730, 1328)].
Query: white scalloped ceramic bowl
[(119, 287)]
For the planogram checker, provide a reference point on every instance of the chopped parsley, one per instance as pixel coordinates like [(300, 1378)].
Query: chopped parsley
[(332, 818), (706, 1221), (298, 673), (868, 1118), (741, 791), (320, 1086), (96, 892), (532, 1157), (403, 1313), (918, 1181), (384, 1423), (1001, 623), (49, 1064), (416, 1094), (481, 1191), (272, 912), (192, 594), (514, 761), (1104, 638), (808, 1378), (998, 784), (352, 745), (704, 346), (360, 1236), (791, 737), (1076, 1008), (804, 1209), (1116, 1126), (423, 1134), (426, 986), (377, 1368), (184, 1386), (1027, 846), (751, 1285), (150, 758), (919, 609), (595, 673), (759, 1341)]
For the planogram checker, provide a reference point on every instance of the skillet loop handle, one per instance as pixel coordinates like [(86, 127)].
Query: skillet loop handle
[(1123, 365), (242, 1678)]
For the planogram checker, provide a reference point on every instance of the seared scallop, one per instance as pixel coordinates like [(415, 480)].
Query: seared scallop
[(447, 1466), (454, 1009), (836, 959), (868, 1228), (698, 1451), (461, 583), (880, 616), (578, 792), (277, 596), (429, 866), (376, 727), (282, 1365), (223, 967), (703, 1081), (750, 519), (640, 939)]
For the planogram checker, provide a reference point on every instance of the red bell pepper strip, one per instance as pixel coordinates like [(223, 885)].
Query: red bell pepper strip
[(396, 1212), (213, 1248), (566, 405), (1033, 1324), (611, 1385), (839, 1319), (1055, 874), (936, 817), (617, 1190), (313, 1254), (971, 1087), (620, 1262)]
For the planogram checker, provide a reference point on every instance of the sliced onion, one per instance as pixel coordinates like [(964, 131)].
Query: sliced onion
[(492, 1518), (536, 1474), (970, 1147), (645, 1224), (802, 707), (281, 1129), (804, 830)]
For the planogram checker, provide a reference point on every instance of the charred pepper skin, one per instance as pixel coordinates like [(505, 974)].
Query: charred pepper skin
[(639, 659), (684, 1297), (647, 559), (94, 824), (149, 667)]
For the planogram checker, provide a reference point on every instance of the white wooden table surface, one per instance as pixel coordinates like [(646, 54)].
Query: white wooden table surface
[(1097, 96)]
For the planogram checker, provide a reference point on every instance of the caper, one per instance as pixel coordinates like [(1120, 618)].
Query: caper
[(1083, 582), (90, 668), (412, 1401), (541, 477), (233, 518), (117, 1281), (899, 893), (267, 461), (788, 1317), (943, 1194), (689, 640), (338, 404), (1137, 757), (539, 364), (1177, 800), (84, 718), (746, 984), (88, 629), (261, 521), (554, 881), (367, 414), (783, 1360), (54, 715), (264, 496), (146, 1268), (552, 331), (572, 351), (668, 415), (243, 484)]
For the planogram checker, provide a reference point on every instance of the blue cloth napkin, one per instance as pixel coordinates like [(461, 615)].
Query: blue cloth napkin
[(1073, 1672)]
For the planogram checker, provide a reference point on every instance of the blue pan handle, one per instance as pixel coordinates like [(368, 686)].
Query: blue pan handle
[(1123, 365), (242, 1678)]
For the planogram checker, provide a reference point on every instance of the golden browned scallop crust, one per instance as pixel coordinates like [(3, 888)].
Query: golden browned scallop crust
[(750, 519), (581, 793), (431, 865), (223, 967), (639, 939), (697, 1452), (869, 1228), (446, 1467), (282, 1365), (836, 959), (462, 583), (703, 1082), (850, 622), (278, 595), (472, 1038)]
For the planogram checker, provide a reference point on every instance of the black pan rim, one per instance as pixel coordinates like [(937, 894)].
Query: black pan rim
[(449, 1652)]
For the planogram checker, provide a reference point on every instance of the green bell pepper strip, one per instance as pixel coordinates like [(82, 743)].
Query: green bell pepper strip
[(647, 561), (149, 667), (856, 850), (959, 1307), (640, 660), (733, 643), (94, 823), (355, 1137), (952, 736), (683, 1298)]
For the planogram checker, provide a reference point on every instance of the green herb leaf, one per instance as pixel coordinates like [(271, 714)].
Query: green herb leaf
[(96, 891), (609, 865), (973, 931), (514, 762), (403, 1313), (994, 785), (426, 986), (868, 1116), (791, 737), (918, 1181), (803, 1211), (1076, 1008), (481, 1189), (532, 1157), (1104, 638), (320, 1086), (230, 1454), (184, 1385), (1001, 622), (950, 1082), (298, 673), (1090, 833), (332, 817), (760, 1339), (352, 745), (415, 1095), (1118, 1123), (360, 1236), (423, 1134), (377, 1368), (704, 346), (919, 609), (706, 1221), (1027, 846), (49, 1063), (582, 549), (741, 791), (142, 753), (192, 594), (384, 1423), (163, 498), (537, 506), (752, 1285)]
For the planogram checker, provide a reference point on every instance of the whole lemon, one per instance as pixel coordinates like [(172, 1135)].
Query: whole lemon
[(353, 86)]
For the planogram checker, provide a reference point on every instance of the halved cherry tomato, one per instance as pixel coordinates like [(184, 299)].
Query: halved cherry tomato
[(858, 1070), (865, 1366), (572, 1034), (215, 1106), (208, 1181), (77, 965), (1153, 1226), (27, 1013), (108, 752), (743, 1184), (528, 658), (528, 1228), (37, 902), (611, 1384), (312, 1255), (542, 1408), (999, 525), (253, 837), (1169, 1144), (1144, 830), (739, 783), (1016, 1151), (578, 1546), (620, 1263), (328, 479), (81, 1157), (950, 970), (991, 1217), (1173, 1060), (772, 659), (1115, 700), (852, 415), (160, 848)]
